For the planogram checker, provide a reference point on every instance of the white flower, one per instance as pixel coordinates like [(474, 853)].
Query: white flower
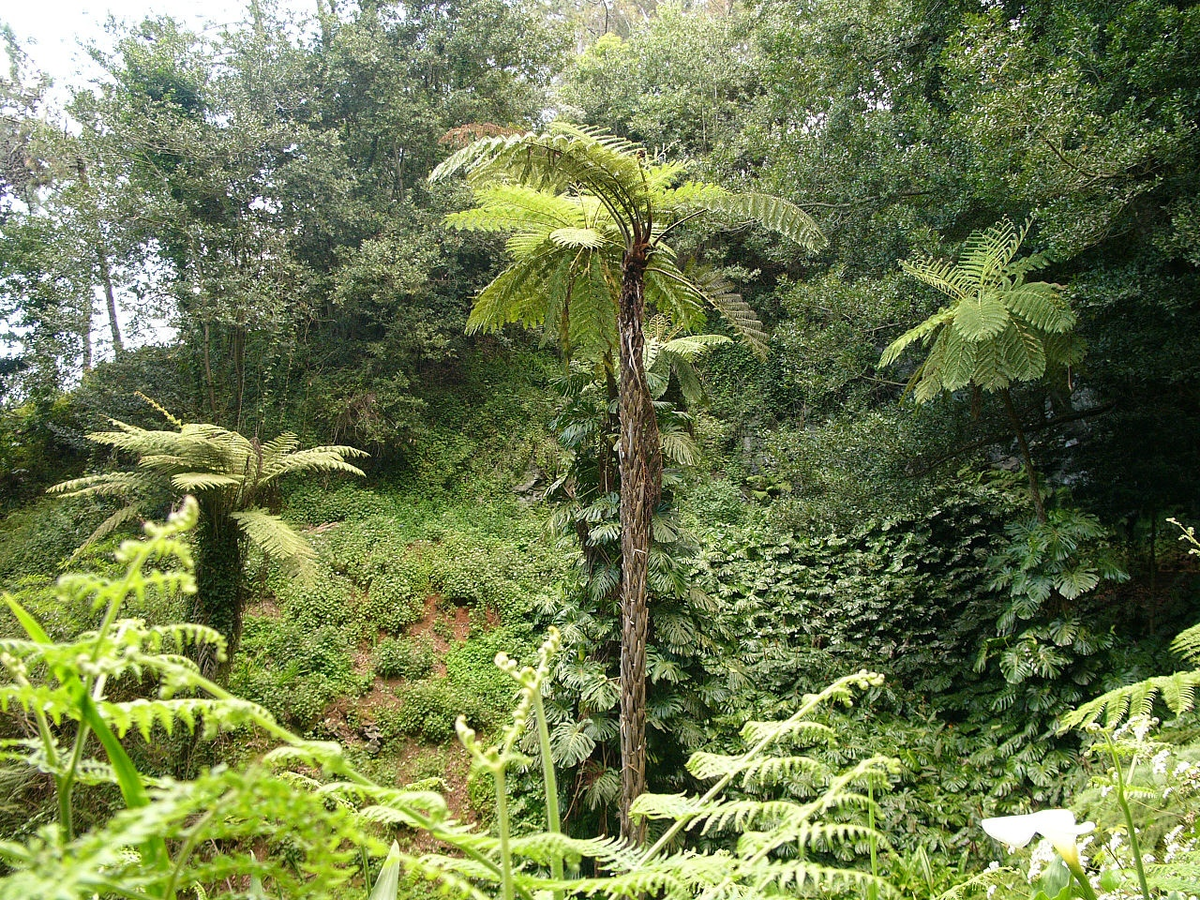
[(1159, 764), (1039, 859), (1056, 825)]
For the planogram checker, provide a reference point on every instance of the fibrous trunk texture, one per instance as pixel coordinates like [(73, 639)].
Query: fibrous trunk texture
[(641, 488), (219, 597)]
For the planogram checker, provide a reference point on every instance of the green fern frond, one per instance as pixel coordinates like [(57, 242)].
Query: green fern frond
[(941, 275), (980, 317), (1178, 691), (668, 806), (742, 815), (216, 715), (284, 444), (198, 482), (775, 213), (114, 484), (527, 243), (803, 877), (578, 238), (672, 292), (919, 333), (1180, 875), (566, 157), (515, 207), (736, 311), (276, 539), (801, 731), (640, 883), (315, 459), (505, 298), (1187, 644), (957, 359), (679, 447), (977, 883), (122, 516), (544, 847), (1041, 305)]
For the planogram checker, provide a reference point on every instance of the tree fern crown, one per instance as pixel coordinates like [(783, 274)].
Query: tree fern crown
[(997, 328), (575, 203), (231, 474)]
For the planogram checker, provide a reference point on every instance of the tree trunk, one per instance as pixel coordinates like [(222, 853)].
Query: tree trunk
[(105, 270), (110, 299), (85, 329), (220, 596), (1035, 492), (641, 487)]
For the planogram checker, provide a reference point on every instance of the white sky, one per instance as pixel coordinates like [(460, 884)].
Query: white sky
[(51, 31)]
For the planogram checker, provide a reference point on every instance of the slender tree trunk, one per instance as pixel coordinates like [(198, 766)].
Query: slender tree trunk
[(110, 299), (641, 488), (85, 329), (238, 346), (208, 374), (1035, 492), (105, 269)]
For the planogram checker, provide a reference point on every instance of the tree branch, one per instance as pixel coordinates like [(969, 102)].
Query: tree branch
[(1000, 439)]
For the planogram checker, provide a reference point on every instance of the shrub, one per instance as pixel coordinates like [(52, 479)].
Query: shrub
[(325, 599), (294, 671), (400, 658), (429, 710)]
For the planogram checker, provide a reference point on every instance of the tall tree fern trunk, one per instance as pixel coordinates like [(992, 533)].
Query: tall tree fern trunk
[(641, 488), (1035, 491), (219, 594)]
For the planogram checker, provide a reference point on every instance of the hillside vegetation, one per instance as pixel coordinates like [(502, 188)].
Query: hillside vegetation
[(704, 450)]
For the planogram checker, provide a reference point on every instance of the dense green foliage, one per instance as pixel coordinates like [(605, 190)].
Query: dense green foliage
[(240, 223)]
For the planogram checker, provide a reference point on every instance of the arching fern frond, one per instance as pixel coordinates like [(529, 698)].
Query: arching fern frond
[(1187, 644), (779, 215), (736, 311), (1177, 691), (276, 539)]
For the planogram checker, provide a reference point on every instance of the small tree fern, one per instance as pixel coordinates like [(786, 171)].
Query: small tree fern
[(997, 329), (235, 480), (588, 217)]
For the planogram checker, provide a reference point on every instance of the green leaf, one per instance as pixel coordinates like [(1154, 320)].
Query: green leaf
[(980, 317), (387, 885), (585, 238), (31, 625), (133, 791)]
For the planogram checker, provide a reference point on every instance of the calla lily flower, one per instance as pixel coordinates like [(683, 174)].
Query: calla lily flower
[(1056, 825)]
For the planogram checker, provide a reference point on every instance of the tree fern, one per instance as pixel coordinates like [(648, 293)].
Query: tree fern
[(997, 330), (630, 208), (992, 307), (235, 480)]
